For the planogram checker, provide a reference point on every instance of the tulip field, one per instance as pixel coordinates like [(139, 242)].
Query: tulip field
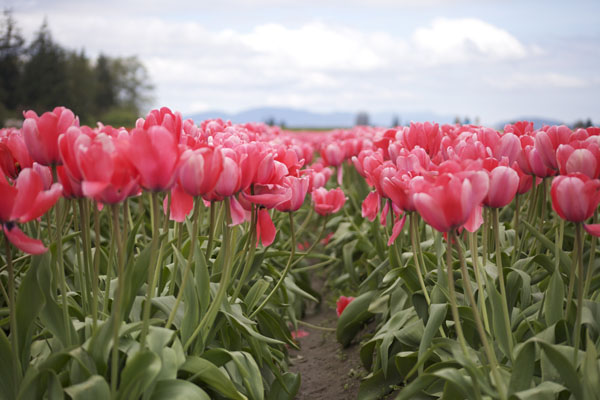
[(176, 259)]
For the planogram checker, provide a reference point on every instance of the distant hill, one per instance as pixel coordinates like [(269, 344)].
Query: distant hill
[(296, 118)]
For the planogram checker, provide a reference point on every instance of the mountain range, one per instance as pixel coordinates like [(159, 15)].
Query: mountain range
[(298, 118)]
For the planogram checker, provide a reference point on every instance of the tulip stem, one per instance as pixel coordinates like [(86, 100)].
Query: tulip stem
[(96, 272), (80, 264), (285, 270), (208, 318), (452, 298), (12, 307), (491, 356), (413, 239), (179, 234), (250, 258), (580, 293), (480, 285), (84, 213), (592, 258), (188, 266), (211, 230), (116, 311), (154, 261), (516, 245), (61, 268), (501, 280)]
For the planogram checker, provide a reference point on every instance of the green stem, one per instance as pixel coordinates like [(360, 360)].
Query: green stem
[(109, 271), (283, 274), (151, 268), (96, 273), (577, 335), (190, 261), (501, 279), (12, 307), (211, 230), (209, 318), (320, 328), (315, 266), (80, 264), (116, 311), (61, 268), (590, 268), (315, 243), (413, 239), (87, 248), (516, 245), (491, 356), (250, 258), (480, 284), (452, 298), (179, 234), (572, 277), (303, 226)]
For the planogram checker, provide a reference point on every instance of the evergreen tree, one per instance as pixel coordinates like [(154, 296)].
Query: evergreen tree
[(11, 51)]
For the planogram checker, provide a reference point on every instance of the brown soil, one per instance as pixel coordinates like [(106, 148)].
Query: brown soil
[(328, 371)]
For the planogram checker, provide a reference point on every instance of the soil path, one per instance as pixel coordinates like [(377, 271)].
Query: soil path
[(328, 371)]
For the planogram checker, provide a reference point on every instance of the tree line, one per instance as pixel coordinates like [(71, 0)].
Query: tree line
[(41, 75)]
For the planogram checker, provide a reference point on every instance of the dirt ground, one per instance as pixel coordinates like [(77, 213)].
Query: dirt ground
[(328, 371)]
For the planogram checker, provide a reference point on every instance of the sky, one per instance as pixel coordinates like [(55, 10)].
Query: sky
[(489, 59)]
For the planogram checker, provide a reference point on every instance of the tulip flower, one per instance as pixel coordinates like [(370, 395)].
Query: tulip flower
[(342, 303), (199, 170), (504, 182), (328, 202), (265, 229), (447, 201), (299, 188), (155, 155), (25, 201), (41, 133), (575, 196), (370, 206)]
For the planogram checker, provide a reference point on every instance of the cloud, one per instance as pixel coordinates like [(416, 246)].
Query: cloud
[(538, 80), (469, 39)]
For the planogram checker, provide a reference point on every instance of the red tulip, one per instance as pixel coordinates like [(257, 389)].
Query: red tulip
[(575, 196), (547, 142), (584, 160), (230, 179), (447, 201), (269, 196), (328, 202), (342, 303), (41, 133), (163, 117), (181, 204)]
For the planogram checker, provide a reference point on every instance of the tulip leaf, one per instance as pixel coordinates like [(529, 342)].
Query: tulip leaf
[(95, 387), (206, 372), (177, 389), (554, 297), (353, 317), (139, 374)]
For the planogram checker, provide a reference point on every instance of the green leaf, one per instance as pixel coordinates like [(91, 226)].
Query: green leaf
[(544, 391), (30, 301), (523, 368), (565, 368), (437, 315), (591, 373), (176, 389), (95, 387), (134, 277), (207, 372), (255, 293), (377, 385), (347, 252), (8, 369), (286, 390), (353, 317), (498, 324), (554, 297), (138, 375)]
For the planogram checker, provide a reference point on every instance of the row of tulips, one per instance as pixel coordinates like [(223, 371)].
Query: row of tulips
[(164, 278), (143, 294), (477, 179)]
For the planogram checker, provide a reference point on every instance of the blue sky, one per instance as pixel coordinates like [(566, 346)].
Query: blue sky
[(490, 59)]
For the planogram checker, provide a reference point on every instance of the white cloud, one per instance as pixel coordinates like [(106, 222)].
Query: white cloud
[(461, 40), (539, 80)]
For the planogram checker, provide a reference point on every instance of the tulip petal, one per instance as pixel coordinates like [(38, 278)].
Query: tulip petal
[(22, 241), (398, 225), (592, 229), (266, 227)]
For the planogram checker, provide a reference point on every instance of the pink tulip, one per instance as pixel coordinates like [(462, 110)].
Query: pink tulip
[(41, 133), (199, 170), (583, 160), (299, 188), (265, 229), (447, 201), (575, 196), (370, 206), (504, 182), (328, 202), (155, 155)]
